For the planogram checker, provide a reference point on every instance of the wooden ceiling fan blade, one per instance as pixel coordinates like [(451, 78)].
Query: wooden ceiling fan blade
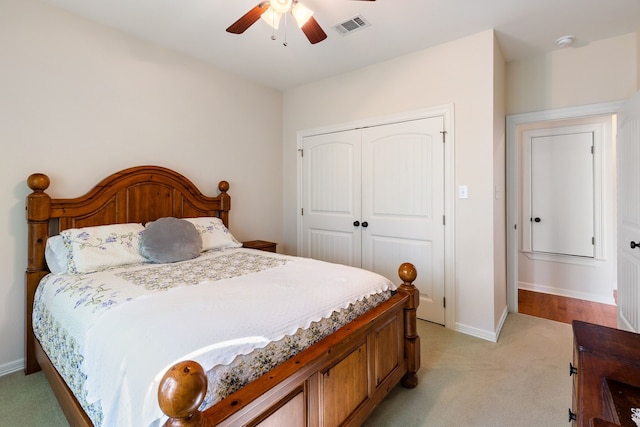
[(248, 19), (313, 31)]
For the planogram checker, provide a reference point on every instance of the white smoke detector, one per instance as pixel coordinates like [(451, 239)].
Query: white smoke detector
[(565, 41)]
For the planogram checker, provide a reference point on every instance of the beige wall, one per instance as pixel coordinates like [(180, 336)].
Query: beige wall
[(499, 183), (601, 71), (460, 72), (80, 101)]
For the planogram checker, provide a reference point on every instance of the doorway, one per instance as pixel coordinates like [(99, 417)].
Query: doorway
[(561, 274)]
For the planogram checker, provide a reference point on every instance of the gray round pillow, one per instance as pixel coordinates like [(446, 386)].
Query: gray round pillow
[(170, 240)]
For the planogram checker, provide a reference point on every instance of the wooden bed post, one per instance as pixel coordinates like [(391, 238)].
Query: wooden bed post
[(225, 202), (181, 392), (408, 274), (38, 213)]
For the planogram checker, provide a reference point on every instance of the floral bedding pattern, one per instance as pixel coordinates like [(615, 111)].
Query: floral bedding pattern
[(64, 353), (93, 294), (91, 249), (223, 380)]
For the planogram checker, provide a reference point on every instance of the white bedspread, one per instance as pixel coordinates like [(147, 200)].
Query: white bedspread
[(128, 344)]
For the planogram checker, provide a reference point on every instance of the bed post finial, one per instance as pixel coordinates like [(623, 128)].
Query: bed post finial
[(38, 182), (38, 214), (225, 202), (408, 274), (180, 394), (38, 211)]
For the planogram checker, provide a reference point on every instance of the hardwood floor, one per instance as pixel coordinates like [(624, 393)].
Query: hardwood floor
[(563, 309)]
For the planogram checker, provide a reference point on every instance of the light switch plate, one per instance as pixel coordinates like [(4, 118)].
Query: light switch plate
[(463, 192)]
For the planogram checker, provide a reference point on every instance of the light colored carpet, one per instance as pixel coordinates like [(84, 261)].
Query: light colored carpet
[(28, 401), (520, 381)]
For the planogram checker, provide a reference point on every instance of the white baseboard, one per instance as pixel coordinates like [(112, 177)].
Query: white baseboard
[(503, 319), (475, 332), (566, 293), (481, 333), (11, 367)]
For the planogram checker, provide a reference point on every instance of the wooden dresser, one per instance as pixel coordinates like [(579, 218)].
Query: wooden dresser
[(606, 375)]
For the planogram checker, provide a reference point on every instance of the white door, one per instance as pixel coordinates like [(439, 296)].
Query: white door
[(403, 205), (562, 194), (331, 182), (628, 154), (374, 198)]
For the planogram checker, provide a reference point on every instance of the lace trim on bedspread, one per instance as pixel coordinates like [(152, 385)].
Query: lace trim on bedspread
[(224, 380), (62, 349)]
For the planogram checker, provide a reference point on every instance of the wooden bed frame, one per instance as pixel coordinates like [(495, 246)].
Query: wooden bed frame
[(337, 381)]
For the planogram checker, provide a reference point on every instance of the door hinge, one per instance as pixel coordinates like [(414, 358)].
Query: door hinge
[(444, 136), (301, 150), (593, 240), (302, 211), (444, 220), (444, 302), (592, 149)]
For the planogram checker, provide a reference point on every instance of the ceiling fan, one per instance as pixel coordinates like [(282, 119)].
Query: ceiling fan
[(271, 11)]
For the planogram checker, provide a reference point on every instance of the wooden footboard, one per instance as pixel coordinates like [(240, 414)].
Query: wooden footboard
[(338, 381)]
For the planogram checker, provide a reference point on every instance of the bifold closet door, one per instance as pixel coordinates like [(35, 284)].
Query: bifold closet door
[(331, 183), (403, 204), (374, 198)]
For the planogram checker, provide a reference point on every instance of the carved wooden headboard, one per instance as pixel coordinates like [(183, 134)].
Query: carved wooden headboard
[(138, 194)]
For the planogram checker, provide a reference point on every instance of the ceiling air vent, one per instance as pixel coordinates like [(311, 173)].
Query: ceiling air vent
[(354, 24)]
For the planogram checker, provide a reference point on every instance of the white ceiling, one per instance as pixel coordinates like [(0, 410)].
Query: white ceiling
[(524, 28)]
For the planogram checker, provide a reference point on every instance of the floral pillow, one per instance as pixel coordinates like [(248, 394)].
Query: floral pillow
[(97, 248), (214, 233)]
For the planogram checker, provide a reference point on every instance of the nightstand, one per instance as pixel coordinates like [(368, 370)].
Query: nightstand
[(261, 245)]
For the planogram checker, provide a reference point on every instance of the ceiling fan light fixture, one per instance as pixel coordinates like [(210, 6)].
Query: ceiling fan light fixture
[(271, 17), (301, 13), (281, 6)]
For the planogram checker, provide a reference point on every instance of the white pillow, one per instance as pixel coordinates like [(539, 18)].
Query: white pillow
[(55, 253), (214, 234), (97, 248)]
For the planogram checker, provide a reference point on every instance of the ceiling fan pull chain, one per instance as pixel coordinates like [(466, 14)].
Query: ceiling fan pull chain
[(285, 31), (273, 29)]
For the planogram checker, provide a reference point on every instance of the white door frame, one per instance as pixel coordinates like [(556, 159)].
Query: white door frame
[(447, 112), (513, 156)]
